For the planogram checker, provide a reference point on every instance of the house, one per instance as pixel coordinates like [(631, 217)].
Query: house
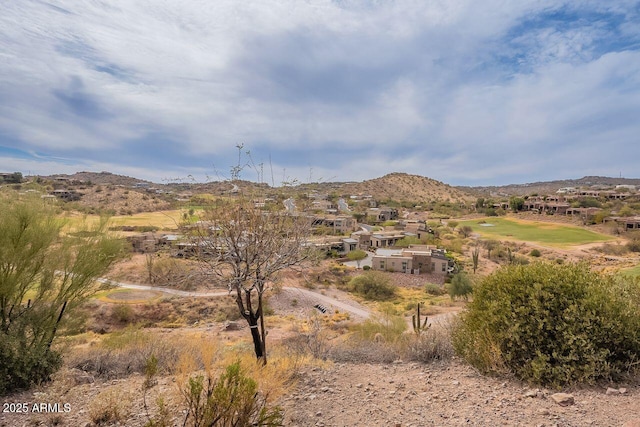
[(66, 195), (364, 239), (551, 205), (418, 259), (338, 224), (626, 223), (349, 244), (143, 243), (385, 239), (382, 214), (586, 214)]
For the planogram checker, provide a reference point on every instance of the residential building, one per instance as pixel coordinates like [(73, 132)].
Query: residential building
[(418, 259)]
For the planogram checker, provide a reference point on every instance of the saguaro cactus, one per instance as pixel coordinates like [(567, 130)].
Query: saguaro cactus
[(418, 325)]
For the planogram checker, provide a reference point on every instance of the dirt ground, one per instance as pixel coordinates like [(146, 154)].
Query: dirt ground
[(399, 394), (447, 394)]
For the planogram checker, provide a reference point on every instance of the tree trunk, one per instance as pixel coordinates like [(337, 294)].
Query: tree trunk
[(263, 331), (258, 344), (252, 317)]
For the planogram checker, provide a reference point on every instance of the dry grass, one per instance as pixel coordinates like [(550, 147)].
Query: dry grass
[(111, 406), (124, 353)]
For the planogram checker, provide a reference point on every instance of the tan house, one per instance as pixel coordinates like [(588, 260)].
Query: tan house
[(383, 214), (338, 224), (417, 259), (627, 223)]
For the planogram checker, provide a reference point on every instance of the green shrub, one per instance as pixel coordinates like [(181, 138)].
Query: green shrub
[(232, 399), (366, 268), (45, 275), (535, 253), (123, 313), (433, 289), (20, 369), (373, 285), (460, 286), (551, 325)]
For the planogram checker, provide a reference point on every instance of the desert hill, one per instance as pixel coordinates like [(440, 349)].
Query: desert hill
[(103, 178), (548, 187), (405, 187), (398, 187)]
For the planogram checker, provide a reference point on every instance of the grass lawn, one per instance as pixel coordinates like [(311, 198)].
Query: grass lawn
[(534, 231), (164, 220), (631, 272)]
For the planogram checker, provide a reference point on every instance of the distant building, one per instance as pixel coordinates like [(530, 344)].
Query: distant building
[(418, 259), (382, 214), (66, 195)]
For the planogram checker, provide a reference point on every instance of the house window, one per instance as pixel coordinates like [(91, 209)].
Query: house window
[(433, 266), (382, 265), (444, 267)]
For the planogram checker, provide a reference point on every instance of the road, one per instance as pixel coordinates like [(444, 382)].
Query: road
[(322, 299), (440, 318)]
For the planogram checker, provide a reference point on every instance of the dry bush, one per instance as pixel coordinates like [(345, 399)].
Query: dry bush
[(126, 352), (277, 376), (177, 273), (110, 406), (376, 340), (432, 344), (309, 339), (613, 249)]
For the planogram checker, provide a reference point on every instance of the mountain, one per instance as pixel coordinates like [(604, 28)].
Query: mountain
[(405, 187), (548, 187), (102, 178), (399, 187)]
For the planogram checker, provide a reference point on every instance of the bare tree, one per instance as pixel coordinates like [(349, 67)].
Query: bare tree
[(246, 247), (465, 231)]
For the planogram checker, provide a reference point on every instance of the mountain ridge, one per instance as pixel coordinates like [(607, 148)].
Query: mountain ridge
[(397, 186)]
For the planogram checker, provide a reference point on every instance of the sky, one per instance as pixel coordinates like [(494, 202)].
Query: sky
[(466, 92)]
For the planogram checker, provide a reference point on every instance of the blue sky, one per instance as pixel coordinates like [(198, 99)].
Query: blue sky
[(465, 92)]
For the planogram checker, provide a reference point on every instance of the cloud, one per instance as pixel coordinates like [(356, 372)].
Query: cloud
[(462, 91)]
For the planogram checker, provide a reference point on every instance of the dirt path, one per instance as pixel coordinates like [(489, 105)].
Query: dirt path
[(320, 298)]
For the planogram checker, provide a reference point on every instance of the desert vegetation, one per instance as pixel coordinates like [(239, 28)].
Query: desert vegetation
[(552, 325), (44, 276), (516, 307)]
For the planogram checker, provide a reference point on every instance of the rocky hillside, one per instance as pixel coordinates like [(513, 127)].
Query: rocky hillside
[(404, 187), (548, 187), (103, 178)]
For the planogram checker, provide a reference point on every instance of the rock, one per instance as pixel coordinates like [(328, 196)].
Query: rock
[(563, 399), (531, 393), (612, 391), (622, 390)]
